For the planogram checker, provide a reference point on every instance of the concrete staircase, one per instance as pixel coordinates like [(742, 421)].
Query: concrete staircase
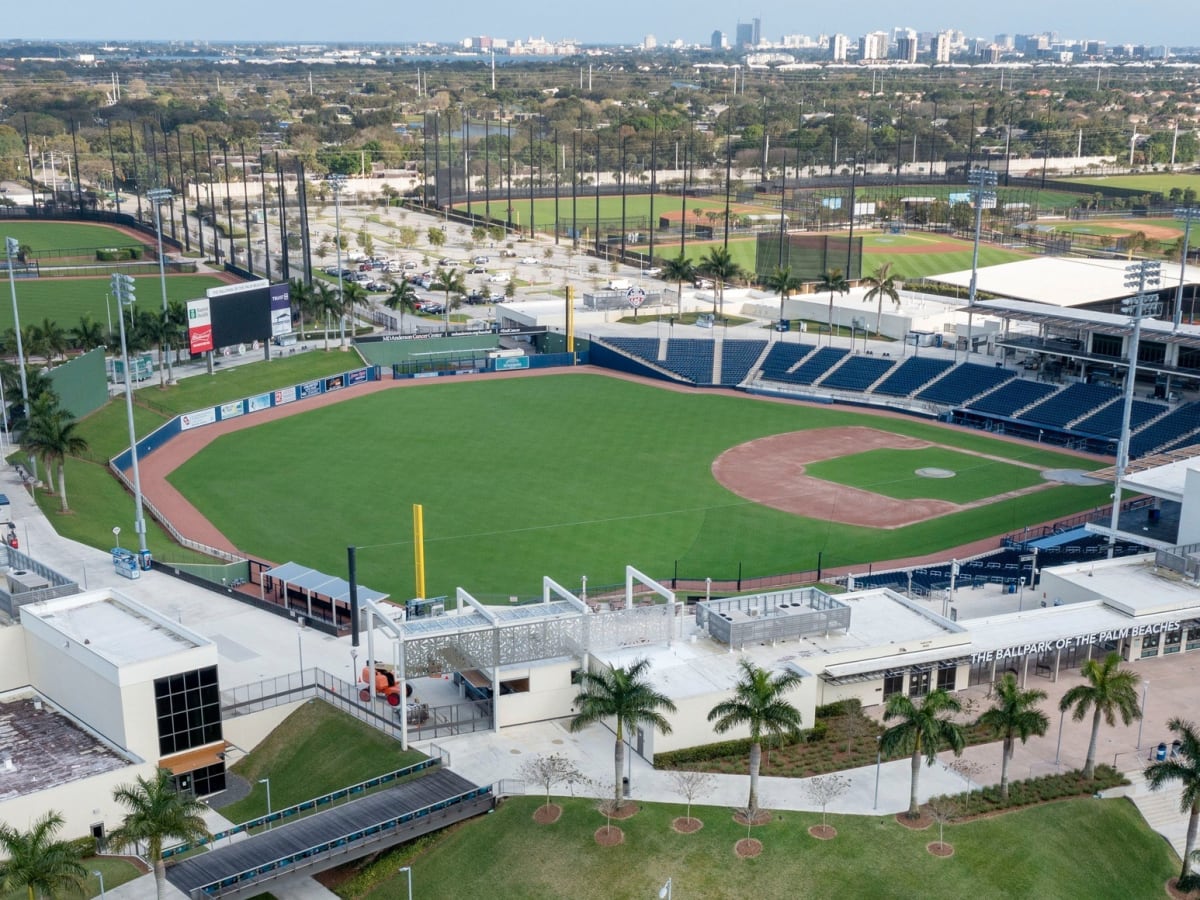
[(1159, 808)]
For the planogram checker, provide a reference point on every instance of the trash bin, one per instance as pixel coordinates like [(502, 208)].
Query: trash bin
[(125, 563), (145, 560), (1160, 752), (624, 786)]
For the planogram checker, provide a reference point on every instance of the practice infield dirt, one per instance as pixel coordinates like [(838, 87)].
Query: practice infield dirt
[(771, 471)]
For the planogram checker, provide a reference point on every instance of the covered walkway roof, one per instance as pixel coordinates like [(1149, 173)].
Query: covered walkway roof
[(312, 582)]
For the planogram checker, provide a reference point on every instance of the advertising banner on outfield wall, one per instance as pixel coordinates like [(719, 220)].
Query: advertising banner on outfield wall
[(255, 404), (281, 310), (232, 410), (200, 333), (195, 419)]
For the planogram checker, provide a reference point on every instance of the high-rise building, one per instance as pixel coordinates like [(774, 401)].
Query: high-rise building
[(839, 46), (757, 34), (718, 41), (906, 48), (873, 45), (649, 42), (941, 47), (744, 35)]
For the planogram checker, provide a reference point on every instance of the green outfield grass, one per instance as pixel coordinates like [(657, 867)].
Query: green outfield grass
[(1070, 850), (1160, 182), (892, 473), (562, 475), (637, 208), (1089, 228), (66, 300), (68, 235)]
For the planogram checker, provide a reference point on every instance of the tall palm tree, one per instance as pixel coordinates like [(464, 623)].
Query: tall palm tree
[(326, 302), (451, 281), (923, 729), (832, 280), (758, 701), (1135, 242), (300, 295), (54, 338), (1014, 715), (356, 295), (679, 270), (1182, 766), (43, 408), (157, 812), (403, 297), (43, 866), (1111, 690), (55, 435), (626, 695), (720, 265), (87, 335), (881, 283), (785, 282)]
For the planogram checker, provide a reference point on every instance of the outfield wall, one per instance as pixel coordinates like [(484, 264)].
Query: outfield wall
[(81, 383)]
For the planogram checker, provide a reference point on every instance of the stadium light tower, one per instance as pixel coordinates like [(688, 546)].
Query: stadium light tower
[(159, 196), (1186, 214), (11, 248), (123, 289), (981, 181), (336, 184), (1140, 275)]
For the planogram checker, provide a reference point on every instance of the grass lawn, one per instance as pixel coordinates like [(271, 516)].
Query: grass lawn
[(892, 473), (66, 300), (562, 475), (637, 208), (1072, 849), (115, 871), (315, 750), (1153, 183), (69, 236)]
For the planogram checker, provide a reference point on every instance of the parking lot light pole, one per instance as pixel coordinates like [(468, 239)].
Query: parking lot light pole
[(267, 782), (878, 763), (1142, 712), (123, 289), (336, 184), (407, 870), (100, 875), (11, 248), (1187, 215), (980, 180)]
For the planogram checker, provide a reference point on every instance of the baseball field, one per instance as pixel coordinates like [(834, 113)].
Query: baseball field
[(580, 474)]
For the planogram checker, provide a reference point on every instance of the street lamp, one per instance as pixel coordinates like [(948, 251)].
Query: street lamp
[(878, 763), (100, 875), (123, 289), (664, 892), (267, 782), (1142, 717), (11, 249), (1185, 214), (159, 196), (1140, 275), (980, 180), (336, 184), (407, 870), (1058, 750)]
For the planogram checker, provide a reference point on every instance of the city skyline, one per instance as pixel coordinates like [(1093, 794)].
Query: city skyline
[(622, 22)]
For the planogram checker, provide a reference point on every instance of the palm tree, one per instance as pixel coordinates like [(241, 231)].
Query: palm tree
[(301, 296), (1014, 715), (626, 695), (832, 280), (53, 338), (450, 281), (758, 701), (54, 435), (326, 302), (1134, 242), (1182, 766), (719, 264), (157, 812), (42, 410), (881, 283), (923, 729), (785, 282), (403, 297), (1111, 690), (43, 866), (356, 295), (87, 335), (679, 270)]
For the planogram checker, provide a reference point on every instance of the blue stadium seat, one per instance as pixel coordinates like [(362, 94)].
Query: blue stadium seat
[(965, 381), (737, 358), (782, 357), (858, 373), (1068, 405), (816, 365), (642, 348), (911, 374), (690, 357), (1017, 394), (1107, 422), (1169, 429)]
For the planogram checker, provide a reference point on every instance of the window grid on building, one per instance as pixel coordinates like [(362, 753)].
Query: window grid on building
[(188, 706)]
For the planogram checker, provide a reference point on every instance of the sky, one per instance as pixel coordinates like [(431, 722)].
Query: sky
[(615, 21)]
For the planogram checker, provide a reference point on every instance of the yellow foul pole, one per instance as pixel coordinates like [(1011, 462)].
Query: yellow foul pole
[(419, 547), (570, 292)]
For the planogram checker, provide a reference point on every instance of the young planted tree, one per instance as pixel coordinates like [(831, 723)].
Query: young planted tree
[(759, 701), (1014, 716), (1111, 692), (626, 696), (547, 771), (824, 789), (944, 810), (436, 236), (1182, 766), (692, 785), (922, 729), (157, 813), (39, 864)]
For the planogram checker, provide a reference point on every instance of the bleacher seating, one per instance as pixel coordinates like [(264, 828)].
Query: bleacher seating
[(690, 357), (737, 358), (1068, 405), (816, 365), (782, 357), (1168, 430), (642, 348), (965, 381), (1017, 394), (911, 374), (858, 373), (1107, 422)]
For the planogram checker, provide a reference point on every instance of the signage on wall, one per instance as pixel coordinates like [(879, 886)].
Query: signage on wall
[(1079, 640)]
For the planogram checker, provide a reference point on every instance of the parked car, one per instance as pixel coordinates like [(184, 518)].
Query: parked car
[(496, 297), (433, 309), (446, 262), (477, 270), (654, 271), (499, 278), (704, 284), (529, 260), (508, 253), (475, 297), (409, 265), (481, 260), (379, 287)]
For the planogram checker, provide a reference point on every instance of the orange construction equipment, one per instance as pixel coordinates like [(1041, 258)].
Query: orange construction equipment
[(385, 685)]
